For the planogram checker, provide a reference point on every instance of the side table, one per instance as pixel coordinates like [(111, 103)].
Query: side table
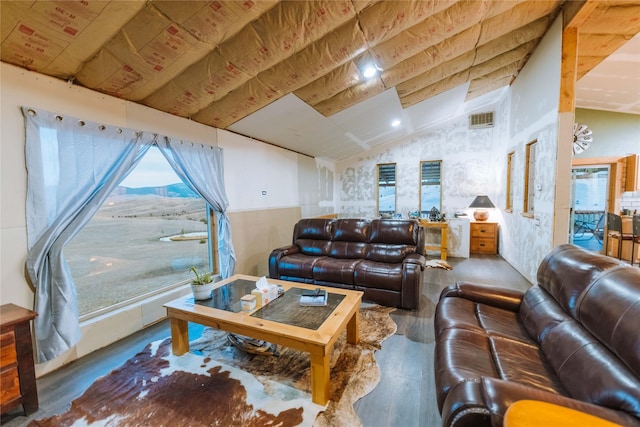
[(484, 237), (443, 227), (17, 370)]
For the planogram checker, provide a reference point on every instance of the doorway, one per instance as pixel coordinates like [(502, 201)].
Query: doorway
[(589, 194)]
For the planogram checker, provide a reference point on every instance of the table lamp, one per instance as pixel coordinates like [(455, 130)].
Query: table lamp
[(481, 203)]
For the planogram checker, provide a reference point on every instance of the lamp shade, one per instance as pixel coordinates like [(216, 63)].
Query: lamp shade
[(481, 202)]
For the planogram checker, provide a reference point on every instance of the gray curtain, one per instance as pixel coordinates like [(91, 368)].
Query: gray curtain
[(72, 167), (202, 168)]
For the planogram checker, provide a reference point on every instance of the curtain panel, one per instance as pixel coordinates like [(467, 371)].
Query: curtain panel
[(72, 167)]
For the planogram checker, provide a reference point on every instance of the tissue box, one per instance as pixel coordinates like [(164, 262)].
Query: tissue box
[(265, 292)]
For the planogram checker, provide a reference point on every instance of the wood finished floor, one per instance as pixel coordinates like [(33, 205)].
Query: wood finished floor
[(404, 397)]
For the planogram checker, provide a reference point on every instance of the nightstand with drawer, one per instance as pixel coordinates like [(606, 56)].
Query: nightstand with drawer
[(17, 371), (484, 237)]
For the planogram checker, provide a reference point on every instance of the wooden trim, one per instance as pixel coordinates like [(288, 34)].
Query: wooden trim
[(575, 13), (594, 161), (509, 201), (569, 70)]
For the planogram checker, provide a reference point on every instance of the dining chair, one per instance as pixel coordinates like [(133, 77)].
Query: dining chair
[(614, 230), (636, 235)]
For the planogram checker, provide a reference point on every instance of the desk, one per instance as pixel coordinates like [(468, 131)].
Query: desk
[(533, 413), (443, 227)]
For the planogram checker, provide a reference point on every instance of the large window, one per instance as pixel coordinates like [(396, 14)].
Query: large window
[(430, 186), (387, 188), (530, 179), (144, 238)]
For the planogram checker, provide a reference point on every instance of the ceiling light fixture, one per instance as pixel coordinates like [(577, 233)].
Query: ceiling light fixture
[(370, 71), (395, 123)]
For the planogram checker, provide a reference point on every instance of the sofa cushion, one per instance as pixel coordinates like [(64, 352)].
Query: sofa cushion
[(394, 232), (351, 230), (462, 313), (380, 275), (589, 371), (539, 313), (313, 236), (386, 253), (335, 270), (567, 270), (610, 310), (297, 265)]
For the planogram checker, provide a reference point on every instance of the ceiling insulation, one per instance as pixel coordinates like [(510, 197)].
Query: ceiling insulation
[(217, 62)]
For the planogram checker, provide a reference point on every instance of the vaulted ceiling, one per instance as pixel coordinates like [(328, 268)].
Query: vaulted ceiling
[(292, 73)]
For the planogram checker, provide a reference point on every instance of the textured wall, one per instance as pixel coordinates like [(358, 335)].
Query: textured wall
[(469, 168)]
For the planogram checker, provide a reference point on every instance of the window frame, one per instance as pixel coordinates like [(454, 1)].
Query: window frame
[(528, 208), (420, 183), (379, 166), (212, 260), (510, 174)]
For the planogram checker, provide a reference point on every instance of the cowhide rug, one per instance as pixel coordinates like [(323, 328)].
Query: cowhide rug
[(218, 385), (438, 263)]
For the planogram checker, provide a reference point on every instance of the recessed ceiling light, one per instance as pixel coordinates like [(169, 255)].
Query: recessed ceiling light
[(370, 72), (396, 123)]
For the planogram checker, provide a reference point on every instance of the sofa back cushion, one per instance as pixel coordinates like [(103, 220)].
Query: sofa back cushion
[(313, 236), (610, 310), (568, 270), (392, 240), (588, 370), (539, 313), (350, 237)]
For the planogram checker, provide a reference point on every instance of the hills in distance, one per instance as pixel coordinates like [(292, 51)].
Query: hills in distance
[(172, 190)]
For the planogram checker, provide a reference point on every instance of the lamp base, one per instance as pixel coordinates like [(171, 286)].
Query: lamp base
[(481, 214)]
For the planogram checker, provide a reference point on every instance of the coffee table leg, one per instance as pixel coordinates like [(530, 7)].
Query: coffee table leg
[(179, 336), (353, 328), (320, 377)]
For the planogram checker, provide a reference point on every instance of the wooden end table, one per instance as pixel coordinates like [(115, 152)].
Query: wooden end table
[(17, 370)]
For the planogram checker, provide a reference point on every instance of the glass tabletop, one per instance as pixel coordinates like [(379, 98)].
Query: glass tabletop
[(227, 297), (285, 309)]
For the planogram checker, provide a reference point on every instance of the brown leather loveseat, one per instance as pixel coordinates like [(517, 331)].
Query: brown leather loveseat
[(572, 340), (383, 258)]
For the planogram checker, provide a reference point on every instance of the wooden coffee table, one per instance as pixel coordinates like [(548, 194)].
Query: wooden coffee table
[(282, 321)]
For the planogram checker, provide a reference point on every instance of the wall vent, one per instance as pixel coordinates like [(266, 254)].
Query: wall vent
[(481, 120)]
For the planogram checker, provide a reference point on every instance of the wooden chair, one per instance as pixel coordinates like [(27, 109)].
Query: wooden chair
[(636, 235), (614, 230)]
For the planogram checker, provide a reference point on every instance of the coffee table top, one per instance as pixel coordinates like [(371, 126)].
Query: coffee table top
[(283, 317)]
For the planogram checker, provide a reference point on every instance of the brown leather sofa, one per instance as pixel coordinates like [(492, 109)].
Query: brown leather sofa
[(572, 340), (383, 258)]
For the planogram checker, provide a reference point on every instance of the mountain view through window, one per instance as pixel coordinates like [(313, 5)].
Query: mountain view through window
[(144, 238)]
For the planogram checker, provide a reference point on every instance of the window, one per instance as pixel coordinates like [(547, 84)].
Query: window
[(530, 179), (144, 238), (510, 174), (430, 186), (387, 188)]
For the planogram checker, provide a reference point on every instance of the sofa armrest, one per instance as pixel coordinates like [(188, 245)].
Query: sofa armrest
[(416, 259), (508, 299), (499, 395), (276, 255), (483, 402)]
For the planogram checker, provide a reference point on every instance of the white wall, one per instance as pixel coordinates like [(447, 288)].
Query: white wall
[(532, 111), (250, 167)]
